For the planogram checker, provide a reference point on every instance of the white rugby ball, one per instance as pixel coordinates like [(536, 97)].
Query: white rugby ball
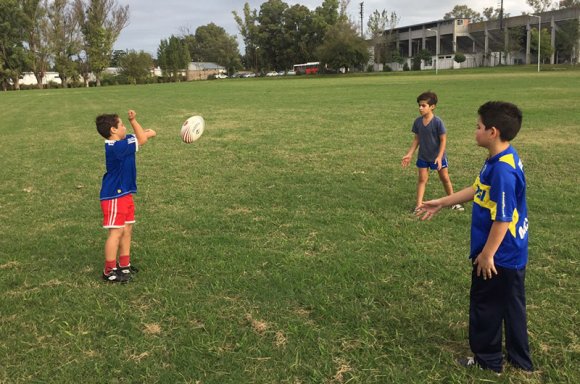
[(192, 129)]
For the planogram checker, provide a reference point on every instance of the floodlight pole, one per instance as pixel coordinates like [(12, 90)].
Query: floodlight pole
[(436, 50), (539, 36)]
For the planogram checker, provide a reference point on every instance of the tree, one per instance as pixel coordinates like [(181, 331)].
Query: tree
[(539, 6), (101, 23), (380, 25), (272, 34), (272, 37), (327, 14), (567, 36), (116, 57), (515, 40), (299, 29), (343, 47), (324, 17), (173, 57), (248, 27), (64, 39), (212, 43), (492, 13), (423, 55), (36, 36), (13, 55), (569, 4), (136, 66), (546, 49), (463, 12)]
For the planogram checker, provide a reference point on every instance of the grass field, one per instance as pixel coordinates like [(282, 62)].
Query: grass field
[(278, 248)]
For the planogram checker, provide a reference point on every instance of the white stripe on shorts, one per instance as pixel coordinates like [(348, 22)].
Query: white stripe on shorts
[(113, 210)]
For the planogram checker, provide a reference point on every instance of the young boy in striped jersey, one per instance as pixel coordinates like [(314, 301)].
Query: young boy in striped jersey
[(117, 189)]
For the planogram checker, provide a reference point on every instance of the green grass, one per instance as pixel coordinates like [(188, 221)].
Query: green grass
[(278, 248)]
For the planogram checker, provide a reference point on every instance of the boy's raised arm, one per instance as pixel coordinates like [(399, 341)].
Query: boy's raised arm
[(141, 134)]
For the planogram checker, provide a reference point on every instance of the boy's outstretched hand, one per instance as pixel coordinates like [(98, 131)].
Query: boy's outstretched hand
[(132, 114), (406, 161), (428, 209)]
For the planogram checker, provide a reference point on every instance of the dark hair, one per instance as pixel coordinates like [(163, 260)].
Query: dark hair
[(429, 97), (505, 117), (105, 123)]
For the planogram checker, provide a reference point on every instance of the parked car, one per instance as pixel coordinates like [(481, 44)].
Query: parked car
[(271, 74), (221, 76), (290, 73)]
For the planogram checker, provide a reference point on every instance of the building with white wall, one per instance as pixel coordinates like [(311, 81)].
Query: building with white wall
[(485, 43)]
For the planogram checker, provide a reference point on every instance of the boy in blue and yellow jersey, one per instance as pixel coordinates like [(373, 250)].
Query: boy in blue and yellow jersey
[(117, 189), (499, 243)]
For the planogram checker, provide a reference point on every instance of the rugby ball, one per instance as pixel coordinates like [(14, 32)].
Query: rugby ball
[(192, 129)]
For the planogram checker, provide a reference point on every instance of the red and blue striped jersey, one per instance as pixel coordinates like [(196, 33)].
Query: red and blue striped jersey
[(121, 176)]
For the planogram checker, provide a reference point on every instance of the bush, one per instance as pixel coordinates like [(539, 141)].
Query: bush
[(397, 58), (406, 67), (459, 57), (370, 68), (387, 68)]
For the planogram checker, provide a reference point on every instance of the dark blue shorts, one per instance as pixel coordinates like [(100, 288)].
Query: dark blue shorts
[(431, 165)]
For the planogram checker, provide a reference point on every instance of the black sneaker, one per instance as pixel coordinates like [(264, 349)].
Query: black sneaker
[(128, 270), (115, 276)]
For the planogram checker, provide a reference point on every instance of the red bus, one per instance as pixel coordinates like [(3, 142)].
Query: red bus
[(307, 68)]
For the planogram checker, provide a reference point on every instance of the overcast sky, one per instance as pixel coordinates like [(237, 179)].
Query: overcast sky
[(151, 21)]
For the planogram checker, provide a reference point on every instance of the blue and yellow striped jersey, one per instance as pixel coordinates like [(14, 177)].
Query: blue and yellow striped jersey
[(500, 195)]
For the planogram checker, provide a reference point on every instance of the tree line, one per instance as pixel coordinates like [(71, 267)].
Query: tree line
[(71, 37), (276, 36), (75, 38)]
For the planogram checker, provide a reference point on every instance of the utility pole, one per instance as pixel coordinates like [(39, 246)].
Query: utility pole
[(361, 20), (501, 27)]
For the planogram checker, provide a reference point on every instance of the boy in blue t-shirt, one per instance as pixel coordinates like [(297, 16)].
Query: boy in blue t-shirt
[(499, 243), (431, 139), (117, 189)]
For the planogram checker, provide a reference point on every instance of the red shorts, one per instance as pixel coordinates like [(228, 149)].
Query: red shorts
[(118, 212)]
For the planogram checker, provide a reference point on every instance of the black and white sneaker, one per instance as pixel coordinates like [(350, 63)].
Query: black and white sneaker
[(129, 270), (469, 362), (115, 276)]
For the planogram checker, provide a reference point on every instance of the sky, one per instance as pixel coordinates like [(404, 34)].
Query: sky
[(151, 21)]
